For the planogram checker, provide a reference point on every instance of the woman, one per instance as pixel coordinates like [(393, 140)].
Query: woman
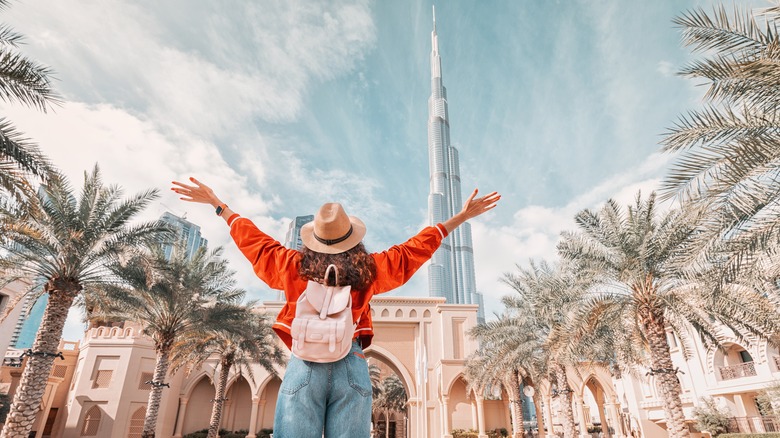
[(331, 398)]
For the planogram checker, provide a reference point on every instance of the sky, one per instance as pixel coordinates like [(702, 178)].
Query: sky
[(282, 105)]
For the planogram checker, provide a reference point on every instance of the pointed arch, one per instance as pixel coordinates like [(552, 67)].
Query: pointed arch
[(91, 423), (136, 426), (406, 378)]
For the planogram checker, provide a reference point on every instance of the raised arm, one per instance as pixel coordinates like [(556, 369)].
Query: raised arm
[(202, 194), (472, 208)]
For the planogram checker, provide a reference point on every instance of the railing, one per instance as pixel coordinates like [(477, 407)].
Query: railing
[(753, 424), (736, 371)]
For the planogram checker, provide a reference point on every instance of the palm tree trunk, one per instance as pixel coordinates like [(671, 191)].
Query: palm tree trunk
[(564, 402), (219, 398), (517, 405), (540, 415), (29, 394), (153, 405), (655, 330)]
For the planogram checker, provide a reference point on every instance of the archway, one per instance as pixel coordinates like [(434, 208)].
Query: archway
[(389, 424), (238, 406), (198, 412), (461, 411)]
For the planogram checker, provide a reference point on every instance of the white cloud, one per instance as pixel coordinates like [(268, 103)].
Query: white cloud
[(535, 230), (666, 68), (123, 53)]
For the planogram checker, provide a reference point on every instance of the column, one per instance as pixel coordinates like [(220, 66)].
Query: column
[(481, 417), (180, 421), (613, 417), (44, 418), (445, 415), (414, 419), (261, 414), (579, 406), (253, 418)]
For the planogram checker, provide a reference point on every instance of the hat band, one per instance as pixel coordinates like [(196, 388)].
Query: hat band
[(330, 242)]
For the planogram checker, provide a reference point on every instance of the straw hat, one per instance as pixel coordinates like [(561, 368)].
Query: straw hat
[(332, 231)]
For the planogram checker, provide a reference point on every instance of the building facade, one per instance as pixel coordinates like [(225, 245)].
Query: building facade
[(292, 239), (421, 340), (99, 389), (186, 232), (451, 271)]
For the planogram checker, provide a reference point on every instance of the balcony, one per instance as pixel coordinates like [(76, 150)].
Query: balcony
[(746, 369), (753, 425)]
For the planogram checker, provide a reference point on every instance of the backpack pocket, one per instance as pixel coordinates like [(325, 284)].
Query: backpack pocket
[(320, 340)]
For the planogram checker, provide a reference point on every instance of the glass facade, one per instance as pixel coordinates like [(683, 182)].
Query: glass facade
[(451, 272)]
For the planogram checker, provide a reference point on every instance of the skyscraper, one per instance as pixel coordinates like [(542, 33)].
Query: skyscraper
[(186, 231), (293, 238), (451, 272)]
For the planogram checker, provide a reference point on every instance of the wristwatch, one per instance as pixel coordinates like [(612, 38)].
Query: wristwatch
[(220, 209)]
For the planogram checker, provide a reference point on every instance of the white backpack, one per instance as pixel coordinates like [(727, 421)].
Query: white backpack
[(322, 329)]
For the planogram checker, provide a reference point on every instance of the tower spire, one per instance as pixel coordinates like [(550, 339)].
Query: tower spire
[(451, 271)]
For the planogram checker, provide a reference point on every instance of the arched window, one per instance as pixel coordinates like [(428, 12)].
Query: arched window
[(137, 423), (91, 422)]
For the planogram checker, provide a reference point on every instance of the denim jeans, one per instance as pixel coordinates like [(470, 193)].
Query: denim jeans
[(331, 398)]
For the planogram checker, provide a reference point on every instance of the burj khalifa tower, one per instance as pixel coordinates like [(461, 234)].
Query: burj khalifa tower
[(451, 271)]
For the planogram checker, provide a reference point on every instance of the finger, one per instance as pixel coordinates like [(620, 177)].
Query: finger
[(471, 198), (198, 183), (183, 185)]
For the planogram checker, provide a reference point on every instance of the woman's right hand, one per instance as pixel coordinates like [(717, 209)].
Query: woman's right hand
[(199, 193)]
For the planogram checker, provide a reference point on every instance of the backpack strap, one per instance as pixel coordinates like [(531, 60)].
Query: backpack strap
[(329, 293)]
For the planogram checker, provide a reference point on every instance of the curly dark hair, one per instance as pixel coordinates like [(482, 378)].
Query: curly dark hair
[(356, 267)]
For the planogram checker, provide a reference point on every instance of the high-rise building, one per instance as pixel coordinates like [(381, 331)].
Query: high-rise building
[(293, 238), (186, 231), (451, 272), (29, 322)]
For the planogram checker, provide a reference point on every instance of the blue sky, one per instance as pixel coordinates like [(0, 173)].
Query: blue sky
[(284, 105)]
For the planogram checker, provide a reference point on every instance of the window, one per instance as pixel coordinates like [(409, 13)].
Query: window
[(137, 423), (145, 377), (745, 357), (91, 422), (102, 379)]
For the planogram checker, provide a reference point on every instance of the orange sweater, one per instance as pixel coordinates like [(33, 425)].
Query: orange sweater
[(277, 266)]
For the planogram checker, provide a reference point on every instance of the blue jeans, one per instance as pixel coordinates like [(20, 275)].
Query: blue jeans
[(331, 398)]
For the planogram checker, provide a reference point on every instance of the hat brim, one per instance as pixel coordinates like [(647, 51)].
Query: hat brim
[(358, 232)]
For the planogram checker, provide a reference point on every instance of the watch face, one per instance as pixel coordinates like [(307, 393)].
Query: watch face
[(219, 210)]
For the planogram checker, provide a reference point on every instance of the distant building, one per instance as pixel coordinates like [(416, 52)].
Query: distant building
[(12, 308), (28, 323), (186, 231), (292, 239), (451, 272)]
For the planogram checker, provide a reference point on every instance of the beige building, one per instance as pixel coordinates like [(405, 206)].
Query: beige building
[(100, 388)]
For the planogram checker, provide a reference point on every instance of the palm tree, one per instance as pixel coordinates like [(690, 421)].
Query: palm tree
[(509, 352), (544, 297), (237, 344), (375, 374), (172, 299), (64, 246), (25, 81), (635, 258), (392, 399), (728, 156)]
